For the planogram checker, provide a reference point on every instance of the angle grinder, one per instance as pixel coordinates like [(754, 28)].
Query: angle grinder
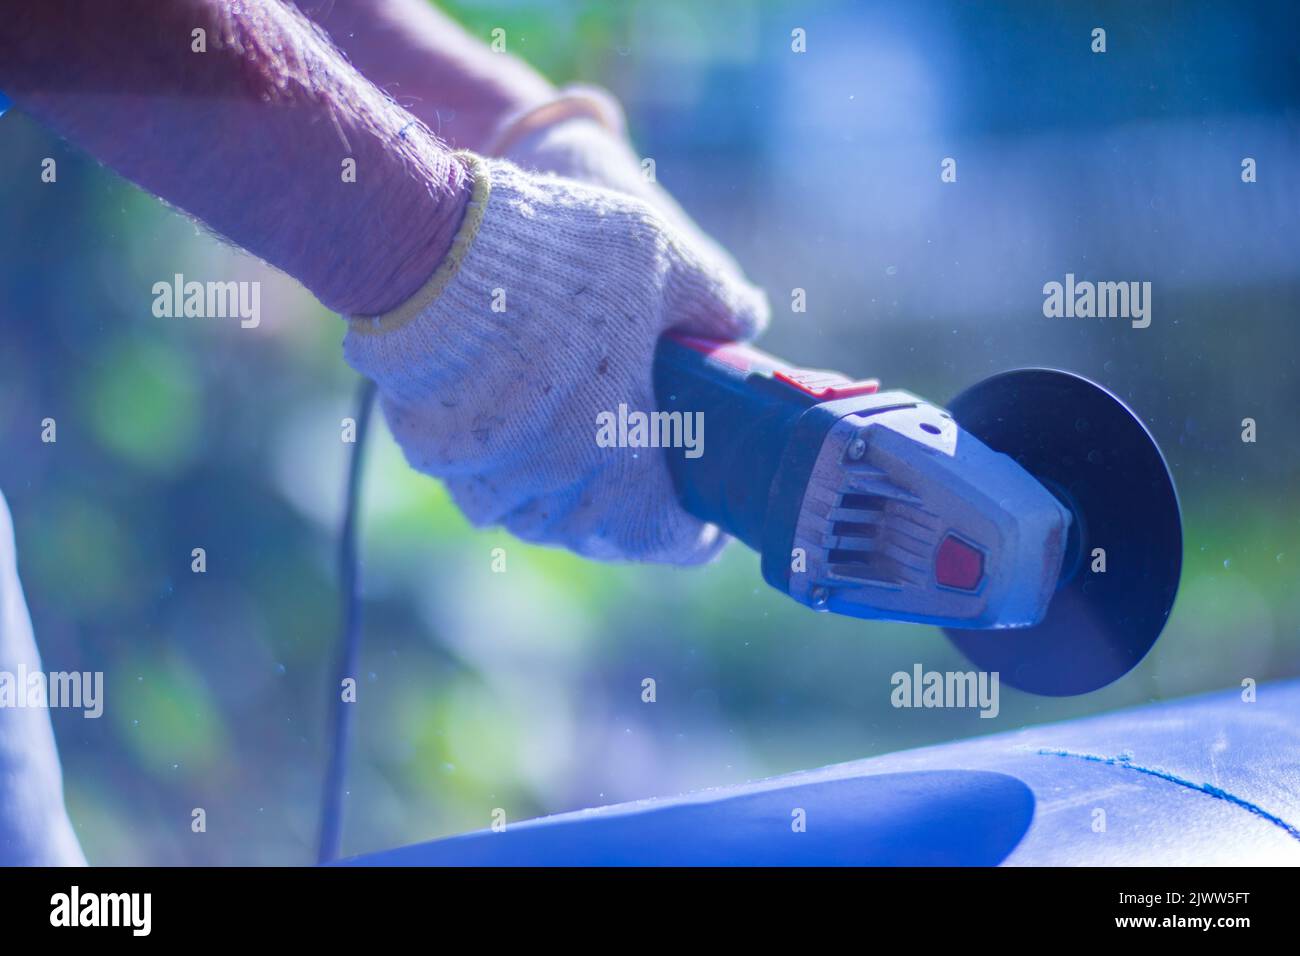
[(1033, 518)]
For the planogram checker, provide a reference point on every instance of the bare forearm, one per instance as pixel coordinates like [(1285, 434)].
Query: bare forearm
[(452, 81), (250, 136)]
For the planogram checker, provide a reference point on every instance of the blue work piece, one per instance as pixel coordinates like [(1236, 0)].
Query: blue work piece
[(1207, 780)]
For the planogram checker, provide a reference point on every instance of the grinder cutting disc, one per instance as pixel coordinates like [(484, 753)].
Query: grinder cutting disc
[(1093, 453)]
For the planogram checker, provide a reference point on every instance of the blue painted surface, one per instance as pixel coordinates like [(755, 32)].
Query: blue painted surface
[(918, 818), (1207, 780)]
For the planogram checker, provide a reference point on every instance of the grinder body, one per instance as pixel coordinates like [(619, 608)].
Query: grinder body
[(864, 502)]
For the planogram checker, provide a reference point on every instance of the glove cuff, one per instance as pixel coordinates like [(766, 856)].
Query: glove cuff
[(578, 100), (505, 289), (480, 191)]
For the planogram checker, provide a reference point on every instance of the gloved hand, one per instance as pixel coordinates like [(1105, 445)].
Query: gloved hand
[(582, 134), (544, 315)]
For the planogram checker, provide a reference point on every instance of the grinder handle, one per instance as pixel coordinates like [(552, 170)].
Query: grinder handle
[(747, 402)]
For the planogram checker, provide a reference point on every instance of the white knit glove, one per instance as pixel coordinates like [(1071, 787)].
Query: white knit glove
[(582, 135), (544, 315)]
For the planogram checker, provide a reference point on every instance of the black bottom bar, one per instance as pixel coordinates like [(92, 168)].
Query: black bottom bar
[(336, 905)]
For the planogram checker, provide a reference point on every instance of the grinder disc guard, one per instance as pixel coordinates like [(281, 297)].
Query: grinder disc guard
[(1093, 453)]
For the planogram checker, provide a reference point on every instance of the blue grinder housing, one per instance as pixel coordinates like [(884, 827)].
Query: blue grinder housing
[(877, 504)]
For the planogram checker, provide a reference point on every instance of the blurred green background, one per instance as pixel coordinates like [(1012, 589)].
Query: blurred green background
[(522, 690)]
